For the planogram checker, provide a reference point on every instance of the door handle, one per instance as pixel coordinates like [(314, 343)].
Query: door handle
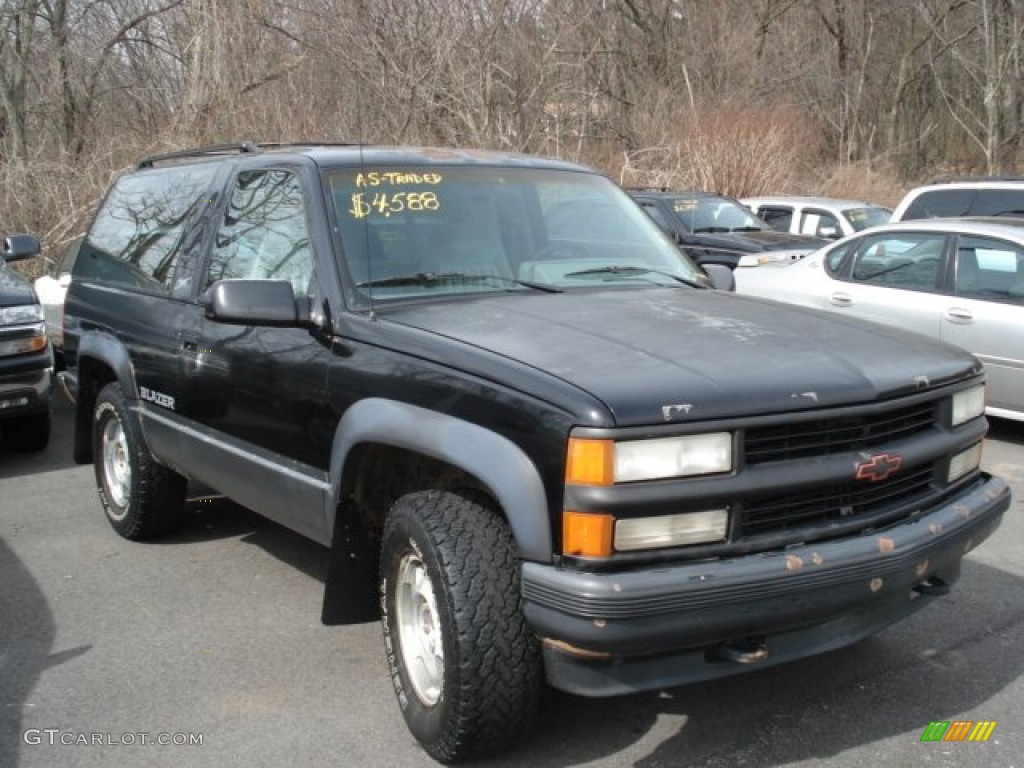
[(959, 315), (189, 341), (840, 299)]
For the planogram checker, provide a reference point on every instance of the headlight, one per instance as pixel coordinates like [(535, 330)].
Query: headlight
[(671, 530), (596, 534), (23, 339), (964, 462), (770, 257), (604, 462), (672, 457), (24, 314), (968, 404)]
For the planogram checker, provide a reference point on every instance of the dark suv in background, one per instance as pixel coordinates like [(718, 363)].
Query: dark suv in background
[(714, 229), (26, 360)]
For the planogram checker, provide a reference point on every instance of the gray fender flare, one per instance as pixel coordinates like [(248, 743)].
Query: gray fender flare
[(109, 350), (498, 462)]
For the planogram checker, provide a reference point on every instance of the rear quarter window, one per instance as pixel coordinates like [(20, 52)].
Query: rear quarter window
[(136, 237), (998, 202), (940, 203)]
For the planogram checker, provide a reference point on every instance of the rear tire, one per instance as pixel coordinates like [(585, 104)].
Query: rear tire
[(140, 497), (465, 665)]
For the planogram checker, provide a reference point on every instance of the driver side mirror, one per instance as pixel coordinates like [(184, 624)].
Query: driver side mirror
[(18, 247), (256, 302), (722, 278)]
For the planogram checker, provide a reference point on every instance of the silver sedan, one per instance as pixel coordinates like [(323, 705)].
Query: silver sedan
[(959, 280)]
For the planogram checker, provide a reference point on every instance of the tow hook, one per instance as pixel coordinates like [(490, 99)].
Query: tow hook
[(932, 587), (749, 651)]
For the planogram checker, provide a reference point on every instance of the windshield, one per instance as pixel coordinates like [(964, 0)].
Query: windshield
[(429, 231), (712, 213), (864, 218)]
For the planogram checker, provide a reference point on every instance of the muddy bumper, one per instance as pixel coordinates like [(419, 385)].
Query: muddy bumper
[(612, 633)]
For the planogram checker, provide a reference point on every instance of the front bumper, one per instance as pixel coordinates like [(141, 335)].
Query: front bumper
[(25, 384), (613, 633)]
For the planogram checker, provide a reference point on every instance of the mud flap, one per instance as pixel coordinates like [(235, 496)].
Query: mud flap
[(350, 596)]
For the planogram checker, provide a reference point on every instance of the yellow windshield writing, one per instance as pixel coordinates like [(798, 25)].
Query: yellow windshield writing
[(395, 178), (386, 204)]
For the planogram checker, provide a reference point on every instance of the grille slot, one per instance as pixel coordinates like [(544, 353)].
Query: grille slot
[(844, 503), (822, 437)]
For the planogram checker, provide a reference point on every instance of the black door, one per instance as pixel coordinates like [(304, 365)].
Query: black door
[(259, 393)]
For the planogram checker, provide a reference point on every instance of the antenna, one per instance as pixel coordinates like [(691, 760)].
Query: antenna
[(365, 219)]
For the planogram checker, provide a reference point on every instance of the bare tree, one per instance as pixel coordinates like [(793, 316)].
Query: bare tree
[(17, 41), (976, 58)]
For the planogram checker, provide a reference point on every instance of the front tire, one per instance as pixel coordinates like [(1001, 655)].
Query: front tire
[(465, 665), (140, 497)]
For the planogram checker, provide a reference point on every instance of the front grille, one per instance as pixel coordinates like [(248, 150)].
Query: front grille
[(822, 437), (843, 503)]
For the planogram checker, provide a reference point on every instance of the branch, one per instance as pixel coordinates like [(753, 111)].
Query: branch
[(289, 67)]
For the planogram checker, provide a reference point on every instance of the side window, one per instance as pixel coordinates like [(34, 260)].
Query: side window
[(66, 263), (940, 203), (264, 235), (989, 269), (907, 260), (998, 202), (777, 218), (837, 257), (651, 209), (137, 235), (819, 224)]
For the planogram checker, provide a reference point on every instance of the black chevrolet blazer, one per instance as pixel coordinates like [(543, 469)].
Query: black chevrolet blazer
[(540, 444)]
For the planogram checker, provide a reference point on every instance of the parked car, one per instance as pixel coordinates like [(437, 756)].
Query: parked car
[(714, 229), (959, 280), (984, 196), (829, 218), (26, 362), (51, 288), (539, 451)]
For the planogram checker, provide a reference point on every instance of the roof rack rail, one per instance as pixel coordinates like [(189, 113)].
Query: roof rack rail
[(974, 179), (275, 144), (214, 149), (243, 147)]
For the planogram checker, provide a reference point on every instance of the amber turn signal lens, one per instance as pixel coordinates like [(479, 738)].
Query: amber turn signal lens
[(590, 462), (587, 535)]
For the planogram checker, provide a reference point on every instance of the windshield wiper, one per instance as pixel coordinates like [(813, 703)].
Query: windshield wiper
[(632, 270), (707, 230), (435, 278), (747, 229)]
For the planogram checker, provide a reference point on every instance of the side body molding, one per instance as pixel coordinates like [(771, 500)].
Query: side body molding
[(495, 460)]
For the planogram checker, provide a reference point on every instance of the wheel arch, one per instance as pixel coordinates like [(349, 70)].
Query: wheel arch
[(101, 360), (501, 468), (507, 473)]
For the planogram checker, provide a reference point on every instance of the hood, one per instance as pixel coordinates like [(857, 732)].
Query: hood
[(15, 290), (668, 354), (756, 242)]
